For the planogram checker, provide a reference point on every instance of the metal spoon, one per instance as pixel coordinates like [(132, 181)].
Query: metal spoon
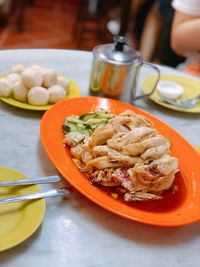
[(187, 103)]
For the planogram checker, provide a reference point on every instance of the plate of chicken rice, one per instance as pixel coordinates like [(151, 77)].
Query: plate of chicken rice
[(124, 159)]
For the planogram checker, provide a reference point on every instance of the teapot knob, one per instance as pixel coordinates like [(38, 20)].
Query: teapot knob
[(120, 41)]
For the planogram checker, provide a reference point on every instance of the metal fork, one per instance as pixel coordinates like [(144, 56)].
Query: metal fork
[(187, 103), (38, 195), (40, 180)]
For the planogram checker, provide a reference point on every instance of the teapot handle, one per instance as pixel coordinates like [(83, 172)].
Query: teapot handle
[(156, 82)]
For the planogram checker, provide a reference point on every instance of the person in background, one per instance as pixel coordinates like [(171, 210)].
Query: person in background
[(154, 34), (185, 34)]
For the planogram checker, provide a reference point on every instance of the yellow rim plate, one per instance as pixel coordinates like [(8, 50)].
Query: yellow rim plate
[(74, 91), (191, 88), (18, 220)]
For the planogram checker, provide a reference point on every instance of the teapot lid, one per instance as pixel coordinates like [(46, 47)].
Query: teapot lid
[(118, 53)]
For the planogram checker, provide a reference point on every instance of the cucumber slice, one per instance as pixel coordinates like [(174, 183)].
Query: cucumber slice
[(79, 135), (86, 117), (74, 120), (86, 132), (66, 128), (102, 111), (97, 121), (72, 126), (104, 115), (69, 126), (99, 125), (80, 126), (88, 126), (76, 136)]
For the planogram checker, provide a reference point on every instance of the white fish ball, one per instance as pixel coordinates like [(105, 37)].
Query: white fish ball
[(64, 82), (56, 93), (5, 87), (13, 77), (20, 92), (37, 67), (38, 96), (17, 69), (31, 78), (49, 77)]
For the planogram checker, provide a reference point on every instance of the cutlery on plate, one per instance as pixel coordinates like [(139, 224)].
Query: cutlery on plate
[(40, 180), (187, 103), (49, 193)]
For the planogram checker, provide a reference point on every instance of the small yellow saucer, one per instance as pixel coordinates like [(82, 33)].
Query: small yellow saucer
[(18, 220), (191, 88), (74, 91)]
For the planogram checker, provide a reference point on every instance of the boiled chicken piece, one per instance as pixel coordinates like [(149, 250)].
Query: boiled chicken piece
[(82, 151), (156, 152), (111, 161), (113, 177), (157, 176), (127, 113), (131, 120), (101, 150), (100, 163), (120, 120), (105, 178), (102, 134), (115, 156), (116, 125), (77, 151), (119, 141), (138, 148), (139, 196), (165, 165), (68, 141), (119, 128), (86, 157), (139, 121)]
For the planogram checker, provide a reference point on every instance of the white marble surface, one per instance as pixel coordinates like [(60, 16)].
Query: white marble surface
[(76, 232)]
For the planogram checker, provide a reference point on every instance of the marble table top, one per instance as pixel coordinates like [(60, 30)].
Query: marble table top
[(76, 232)]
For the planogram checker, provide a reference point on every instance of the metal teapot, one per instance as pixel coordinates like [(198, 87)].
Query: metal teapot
[(115, 71)]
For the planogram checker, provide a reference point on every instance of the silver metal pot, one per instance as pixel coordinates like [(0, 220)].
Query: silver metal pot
[(115, 71)]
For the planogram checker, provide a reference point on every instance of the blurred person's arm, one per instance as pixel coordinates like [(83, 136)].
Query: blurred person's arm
[(185, 36), (151, 33)]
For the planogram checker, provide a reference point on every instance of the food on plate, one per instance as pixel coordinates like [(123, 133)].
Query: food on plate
[(49, 77), (20, 81), (31, 77), (123, 152), (17, 69), (63, 82), (38, 96), (13, 77), (20, 91), (5, 87), (56, 93), (37, 67)]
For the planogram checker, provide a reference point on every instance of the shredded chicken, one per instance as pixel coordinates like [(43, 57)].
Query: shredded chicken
[(128, 153)]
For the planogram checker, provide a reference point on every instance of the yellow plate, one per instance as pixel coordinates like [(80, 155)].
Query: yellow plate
[(74, 91), (191, 88), (18, 220)]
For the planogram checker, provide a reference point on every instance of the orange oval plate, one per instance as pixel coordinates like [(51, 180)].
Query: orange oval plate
[(175, 209)]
